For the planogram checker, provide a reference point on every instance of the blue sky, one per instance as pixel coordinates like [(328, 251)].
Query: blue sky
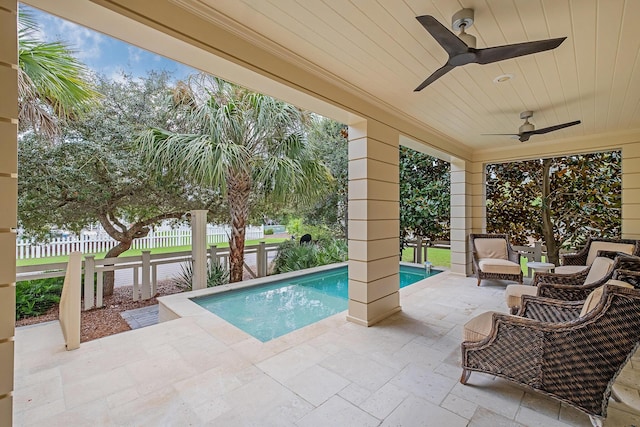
[(102, 53)]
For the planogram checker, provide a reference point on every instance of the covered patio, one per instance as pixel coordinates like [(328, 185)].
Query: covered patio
[(202, 371), (357, 62)]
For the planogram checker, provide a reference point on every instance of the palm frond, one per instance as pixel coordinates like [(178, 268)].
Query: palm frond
[(53, 84)]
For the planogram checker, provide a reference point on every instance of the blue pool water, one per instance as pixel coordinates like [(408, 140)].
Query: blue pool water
[(272, 310)]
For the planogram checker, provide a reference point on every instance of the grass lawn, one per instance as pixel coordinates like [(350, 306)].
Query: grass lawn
[(136, 252), (438, 257), (442, 258)]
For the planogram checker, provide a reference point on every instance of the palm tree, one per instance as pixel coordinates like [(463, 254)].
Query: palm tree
[(246, 144), (52, 83)]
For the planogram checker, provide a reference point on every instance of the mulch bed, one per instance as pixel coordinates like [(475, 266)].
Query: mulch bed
[(102, 322)]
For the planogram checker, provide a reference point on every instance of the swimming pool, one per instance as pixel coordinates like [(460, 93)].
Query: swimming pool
[(275, 309)]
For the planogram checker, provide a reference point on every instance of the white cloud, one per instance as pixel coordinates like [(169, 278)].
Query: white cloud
[(134, 54), (85, 43)]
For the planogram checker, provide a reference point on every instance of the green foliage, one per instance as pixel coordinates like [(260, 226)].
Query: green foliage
[(294, 226), (53, 85), (424, 195), (293, 256), (297, 227), (216, 275), (95, 175), (330, 210), (36, 297), (583, 198), (247, 146), (268, 231)]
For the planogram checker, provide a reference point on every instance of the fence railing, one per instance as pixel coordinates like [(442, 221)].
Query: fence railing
[(144, 269), (102, 242), (532, 253)]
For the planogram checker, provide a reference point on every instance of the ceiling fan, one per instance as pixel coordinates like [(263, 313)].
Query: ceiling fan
[(528, 129), (462, 48)]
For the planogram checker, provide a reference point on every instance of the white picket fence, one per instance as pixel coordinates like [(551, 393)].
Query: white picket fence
[(96, 242), (144, 271)]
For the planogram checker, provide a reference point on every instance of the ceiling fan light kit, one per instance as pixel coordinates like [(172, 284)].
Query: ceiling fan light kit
[(462, 51), (527, 130)]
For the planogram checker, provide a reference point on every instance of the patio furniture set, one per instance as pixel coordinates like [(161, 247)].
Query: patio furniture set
[(570, 333)]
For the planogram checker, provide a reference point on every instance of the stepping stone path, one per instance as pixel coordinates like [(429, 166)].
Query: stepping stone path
[(141, 317)]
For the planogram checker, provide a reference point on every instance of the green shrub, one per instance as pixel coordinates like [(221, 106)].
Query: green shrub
[(293, 256), (268, 231), (216, 275), (294, 226), (36, 297)]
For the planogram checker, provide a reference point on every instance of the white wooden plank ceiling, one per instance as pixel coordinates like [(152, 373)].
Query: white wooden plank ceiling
[(379, 47)]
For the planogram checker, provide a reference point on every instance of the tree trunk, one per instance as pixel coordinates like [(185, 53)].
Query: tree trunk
[(109, 276), (553, 249), (239, 188), (125, 236)]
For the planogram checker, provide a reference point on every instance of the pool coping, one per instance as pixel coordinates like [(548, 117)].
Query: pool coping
[(176, 306)]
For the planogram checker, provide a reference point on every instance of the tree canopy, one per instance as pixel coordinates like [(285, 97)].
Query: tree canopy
[(561, 200), (328, 138), (243, 144), (424, 195), (94, 174)]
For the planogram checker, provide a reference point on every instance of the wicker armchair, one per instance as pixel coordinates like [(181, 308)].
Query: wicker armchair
[(572, 263), (494, 258), (572, 287), (554, 350)]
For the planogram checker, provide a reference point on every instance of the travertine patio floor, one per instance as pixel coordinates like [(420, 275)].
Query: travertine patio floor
[(201, 371)]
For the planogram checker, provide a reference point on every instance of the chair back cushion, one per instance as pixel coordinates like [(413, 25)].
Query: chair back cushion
[(599, 268), (626, 248), (594, 297), (479, 327), (491, 248), (513, 294)]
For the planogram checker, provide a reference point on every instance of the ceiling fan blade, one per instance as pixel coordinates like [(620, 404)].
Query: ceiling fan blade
[(499, 134), (553, 128), (435, 76), (500, 53), (449, 41)]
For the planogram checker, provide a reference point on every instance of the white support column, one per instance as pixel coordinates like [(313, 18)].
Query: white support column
[(468, 210), (374, 222), (9, 197), (199, 248), (631, 191)]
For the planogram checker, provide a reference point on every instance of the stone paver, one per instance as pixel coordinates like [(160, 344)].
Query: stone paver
[(141, 317), (201, 371)]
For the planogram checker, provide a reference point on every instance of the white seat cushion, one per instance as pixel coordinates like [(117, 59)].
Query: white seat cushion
[(491, 248), (570, 269), (500, 266), (599, 268), (513, 294), (479, 327)]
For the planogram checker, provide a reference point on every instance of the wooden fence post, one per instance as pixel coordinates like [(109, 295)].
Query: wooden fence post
[(417, 252), (537, 251), (146, 275), (213, 254), (89, 270), (261, 260), (69, 313)]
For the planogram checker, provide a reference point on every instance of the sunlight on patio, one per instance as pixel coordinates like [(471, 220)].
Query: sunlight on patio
[(202, 371)]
